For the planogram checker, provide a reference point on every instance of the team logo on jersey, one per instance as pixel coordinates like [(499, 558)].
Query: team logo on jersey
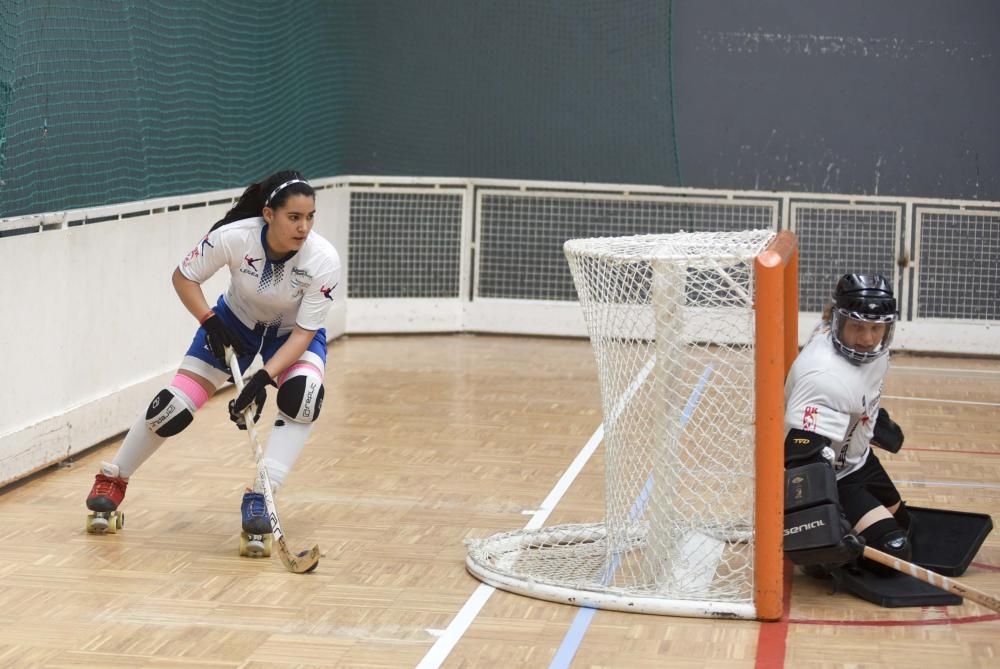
[(251, 268), (197, 251), (300, 278), (870, 408), (810, 417), (328, 292)]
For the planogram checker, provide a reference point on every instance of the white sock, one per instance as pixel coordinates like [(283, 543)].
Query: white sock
[(283, 448), (139, 444)]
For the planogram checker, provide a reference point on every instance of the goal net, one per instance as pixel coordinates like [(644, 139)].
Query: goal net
[(688, 336)]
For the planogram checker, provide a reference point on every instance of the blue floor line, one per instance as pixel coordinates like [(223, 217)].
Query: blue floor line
[(574, 635)]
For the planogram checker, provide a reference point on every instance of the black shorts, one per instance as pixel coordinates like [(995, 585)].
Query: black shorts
[(866, 489)]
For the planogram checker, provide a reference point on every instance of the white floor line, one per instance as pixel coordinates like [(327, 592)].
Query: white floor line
[(951, 484), (940, 401), (896, 367), (456, 629)]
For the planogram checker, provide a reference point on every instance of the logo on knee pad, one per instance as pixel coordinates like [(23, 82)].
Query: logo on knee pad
[(173, 417), (896, 544), (301, 398), (306, 404)]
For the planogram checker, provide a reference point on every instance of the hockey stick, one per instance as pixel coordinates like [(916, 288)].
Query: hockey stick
[(299, 563), (933, 578)]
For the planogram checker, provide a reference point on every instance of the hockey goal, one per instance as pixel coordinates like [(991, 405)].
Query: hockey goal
[(693, 334)]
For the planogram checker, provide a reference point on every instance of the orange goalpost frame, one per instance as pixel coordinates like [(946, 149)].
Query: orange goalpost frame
[(776, 316)]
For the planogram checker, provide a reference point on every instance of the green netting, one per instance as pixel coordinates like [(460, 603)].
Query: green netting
[(112, 101), (566, 90), (119, 100)]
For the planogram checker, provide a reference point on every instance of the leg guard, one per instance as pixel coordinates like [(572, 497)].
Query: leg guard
[(173, 408), (284, 447), (887, 536), (902, 517), (299, 400), (170, 412)]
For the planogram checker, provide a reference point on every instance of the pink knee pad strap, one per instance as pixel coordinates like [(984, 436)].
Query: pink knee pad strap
[(191, 388), (300, 368)]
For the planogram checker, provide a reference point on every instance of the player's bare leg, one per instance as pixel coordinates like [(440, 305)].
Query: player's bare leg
[(103, 501)]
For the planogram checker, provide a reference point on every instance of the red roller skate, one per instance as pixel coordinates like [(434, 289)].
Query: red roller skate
[(103, 501)]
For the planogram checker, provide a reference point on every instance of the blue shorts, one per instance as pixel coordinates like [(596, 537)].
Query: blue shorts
[(255, 341)]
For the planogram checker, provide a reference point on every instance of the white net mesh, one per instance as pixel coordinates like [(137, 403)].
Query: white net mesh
[(671, 322)]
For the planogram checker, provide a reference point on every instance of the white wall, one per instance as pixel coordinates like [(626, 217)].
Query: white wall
[(92, 328)]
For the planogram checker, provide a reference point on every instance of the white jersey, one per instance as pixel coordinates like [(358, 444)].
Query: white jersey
[(271, 296), (828, 395)]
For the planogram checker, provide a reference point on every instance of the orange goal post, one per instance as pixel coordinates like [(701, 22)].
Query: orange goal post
[(693, 334)]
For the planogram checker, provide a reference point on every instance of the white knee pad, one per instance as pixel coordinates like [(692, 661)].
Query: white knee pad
[(300, 396), (170, 412)]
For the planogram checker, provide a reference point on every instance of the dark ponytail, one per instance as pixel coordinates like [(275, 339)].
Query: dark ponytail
[(255, 197)]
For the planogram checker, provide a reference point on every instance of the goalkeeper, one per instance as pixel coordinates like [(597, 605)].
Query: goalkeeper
[(837, 494)]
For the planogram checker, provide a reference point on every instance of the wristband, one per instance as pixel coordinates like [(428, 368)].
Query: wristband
[(201, 321)]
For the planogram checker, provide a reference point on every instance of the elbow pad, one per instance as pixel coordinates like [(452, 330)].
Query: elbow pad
[(803, 447)]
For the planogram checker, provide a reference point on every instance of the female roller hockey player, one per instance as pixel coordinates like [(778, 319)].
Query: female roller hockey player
[(282, 280), (838, 488)]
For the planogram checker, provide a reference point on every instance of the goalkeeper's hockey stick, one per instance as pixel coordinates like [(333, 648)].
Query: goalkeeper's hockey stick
[(933, 578), (298, 563)]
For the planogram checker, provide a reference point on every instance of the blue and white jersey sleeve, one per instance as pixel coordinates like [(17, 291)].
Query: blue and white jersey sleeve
[(319, 289), (210, 255)]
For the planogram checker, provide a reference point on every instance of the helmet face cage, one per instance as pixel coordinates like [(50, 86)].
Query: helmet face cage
[(865, 298), (839, 322)]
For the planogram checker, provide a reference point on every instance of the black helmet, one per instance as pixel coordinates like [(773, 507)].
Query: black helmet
[(863, 297)]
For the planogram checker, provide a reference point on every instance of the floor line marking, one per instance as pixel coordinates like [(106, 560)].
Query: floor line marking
[(934, 399), (951, 370), (446, 642), (574, 635)]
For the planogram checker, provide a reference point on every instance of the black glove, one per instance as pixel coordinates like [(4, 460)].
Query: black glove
[(218, 336), (254, 392), (887, 434)]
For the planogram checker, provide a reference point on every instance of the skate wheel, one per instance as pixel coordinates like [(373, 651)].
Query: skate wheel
[(121, 519), (255, 545), (267, 546), (97, 523), (112, 521)]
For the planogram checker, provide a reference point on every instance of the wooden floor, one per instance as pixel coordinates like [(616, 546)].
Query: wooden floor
[(425, 442)]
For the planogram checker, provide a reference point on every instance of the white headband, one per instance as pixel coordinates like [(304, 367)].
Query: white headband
[(267, 203)]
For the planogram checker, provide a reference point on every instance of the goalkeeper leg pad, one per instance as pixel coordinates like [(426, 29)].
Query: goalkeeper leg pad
[(892, 591), (819, 535), (945, 541)]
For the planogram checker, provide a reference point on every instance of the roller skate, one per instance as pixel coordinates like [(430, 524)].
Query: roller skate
[(103, 501), (255, 539)]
